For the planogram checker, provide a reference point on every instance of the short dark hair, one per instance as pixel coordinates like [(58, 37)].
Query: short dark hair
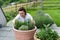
[(22, 9)]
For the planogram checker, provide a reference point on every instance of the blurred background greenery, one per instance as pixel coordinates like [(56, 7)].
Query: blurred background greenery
[(52, 7)]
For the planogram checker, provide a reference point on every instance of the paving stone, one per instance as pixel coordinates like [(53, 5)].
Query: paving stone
[(6, 33), (55, 28), (5, 28), (7, 38)]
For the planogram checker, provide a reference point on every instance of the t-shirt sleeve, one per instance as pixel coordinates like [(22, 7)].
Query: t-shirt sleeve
[(30, 16), (15, 18)]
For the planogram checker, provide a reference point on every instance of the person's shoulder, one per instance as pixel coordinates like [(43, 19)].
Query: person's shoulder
[(28, 14), (17, 15)]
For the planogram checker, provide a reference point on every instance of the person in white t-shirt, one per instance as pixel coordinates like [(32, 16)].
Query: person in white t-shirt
[(23, 16)]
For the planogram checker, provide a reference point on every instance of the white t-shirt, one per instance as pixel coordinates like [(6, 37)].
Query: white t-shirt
[(27, 18)]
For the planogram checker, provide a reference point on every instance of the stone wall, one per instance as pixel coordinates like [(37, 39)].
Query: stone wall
[(2, 18)]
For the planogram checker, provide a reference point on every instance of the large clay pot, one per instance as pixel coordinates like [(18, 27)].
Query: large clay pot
[(25, 35)]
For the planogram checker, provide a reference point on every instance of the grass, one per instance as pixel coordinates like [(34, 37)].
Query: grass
[(55, 14), (52, 0)]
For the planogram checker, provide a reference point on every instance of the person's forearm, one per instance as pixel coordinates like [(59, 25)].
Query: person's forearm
[(13, 21), (33, 22)]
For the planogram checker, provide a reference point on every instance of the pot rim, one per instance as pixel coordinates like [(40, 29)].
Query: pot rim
[(25, 30)]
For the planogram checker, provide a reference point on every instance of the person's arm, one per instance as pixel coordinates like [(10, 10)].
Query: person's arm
[(15, 19), (32, 20)]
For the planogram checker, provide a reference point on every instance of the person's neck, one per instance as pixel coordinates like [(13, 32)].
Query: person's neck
[(24, 17)]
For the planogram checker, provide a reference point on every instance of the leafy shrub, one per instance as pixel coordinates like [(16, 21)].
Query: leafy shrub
[(41, 19), (17, 24), (47, 34), (10, 15), (23, 25), (1, 3), (21, 1)]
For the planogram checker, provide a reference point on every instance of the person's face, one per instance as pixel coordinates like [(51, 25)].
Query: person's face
[(22, 13)]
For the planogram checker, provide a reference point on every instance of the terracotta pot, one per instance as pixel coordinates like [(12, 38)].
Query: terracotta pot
[(25, 34)]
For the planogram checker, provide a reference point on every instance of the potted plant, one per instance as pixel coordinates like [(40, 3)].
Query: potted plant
[(47, 34), (24, 30)]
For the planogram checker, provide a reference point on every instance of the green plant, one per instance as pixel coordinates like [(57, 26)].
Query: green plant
[(1, 2), (10, 15), (23, 25), (41, 19), (17, 24), (47, 33)]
